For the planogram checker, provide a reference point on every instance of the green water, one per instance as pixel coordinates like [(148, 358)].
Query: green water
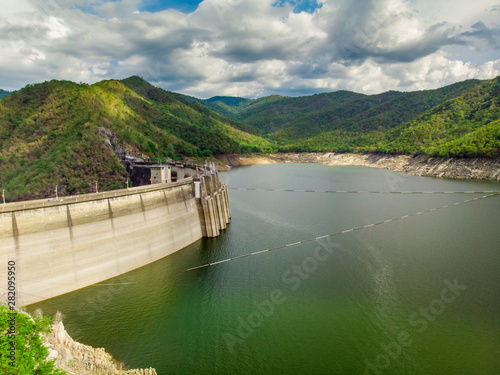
[(375, 301)]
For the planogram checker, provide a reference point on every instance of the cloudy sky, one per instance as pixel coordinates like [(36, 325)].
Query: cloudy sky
[(251, 48)]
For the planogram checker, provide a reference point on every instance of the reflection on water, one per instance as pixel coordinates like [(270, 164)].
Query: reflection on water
[(365, 302)]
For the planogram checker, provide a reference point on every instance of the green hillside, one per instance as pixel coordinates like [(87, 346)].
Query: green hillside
[(468, 126), (229, 101), (239, 108), (291, 121), (192, 122), (62, 133), (456, 120), (219, 110)]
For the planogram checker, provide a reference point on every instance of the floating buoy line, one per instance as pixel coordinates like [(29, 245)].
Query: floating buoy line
[(489, 194), (366, 192)]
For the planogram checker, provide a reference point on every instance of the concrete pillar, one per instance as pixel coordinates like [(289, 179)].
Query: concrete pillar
[(213, 205)]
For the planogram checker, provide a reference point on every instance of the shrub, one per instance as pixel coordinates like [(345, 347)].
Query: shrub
[(30, 356)]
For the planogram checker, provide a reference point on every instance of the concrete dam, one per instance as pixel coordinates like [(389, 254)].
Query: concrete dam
[(65, 244)]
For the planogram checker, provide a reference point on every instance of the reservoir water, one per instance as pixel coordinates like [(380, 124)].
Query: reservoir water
[(419, 295)]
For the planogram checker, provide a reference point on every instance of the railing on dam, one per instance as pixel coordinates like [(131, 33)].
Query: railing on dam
[(61, 201)]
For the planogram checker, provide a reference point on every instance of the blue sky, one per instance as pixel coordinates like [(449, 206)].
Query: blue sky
[(190, 6), (252, 48), (159, 5)]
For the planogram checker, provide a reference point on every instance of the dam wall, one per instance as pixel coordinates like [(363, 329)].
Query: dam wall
[(66, 244)]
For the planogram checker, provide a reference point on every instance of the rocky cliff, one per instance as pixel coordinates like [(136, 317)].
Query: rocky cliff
[(418, 165), (76, 358)]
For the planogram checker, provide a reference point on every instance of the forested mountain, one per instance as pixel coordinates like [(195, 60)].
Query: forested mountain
[(292, 120), (63, 133), (4, 93), (467, 126), (459, 120)]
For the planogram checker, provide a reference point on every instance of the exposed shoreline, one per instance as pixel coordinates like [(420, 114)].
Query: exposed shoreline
[(76, 358), (420, 165)]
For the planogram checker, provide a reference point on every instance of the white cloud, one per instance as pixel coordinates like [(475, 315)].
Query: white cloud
[(250, 47), (12, 10), (57, 28)]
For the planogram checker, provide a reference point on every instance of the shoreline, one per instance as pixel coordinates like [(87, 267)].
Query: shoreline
[(420, 165), (74, 357)]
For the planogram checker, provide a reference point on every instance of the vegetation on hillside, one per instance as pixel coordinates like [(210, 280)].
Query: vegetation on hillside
[(22, 345), (459, 120), (291, 121), (55, 133), (192, 122), (466, 126), (48, 137)]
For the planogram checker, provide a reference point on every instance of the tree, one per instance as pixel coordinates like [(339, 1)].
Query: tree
[(22, 349)]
